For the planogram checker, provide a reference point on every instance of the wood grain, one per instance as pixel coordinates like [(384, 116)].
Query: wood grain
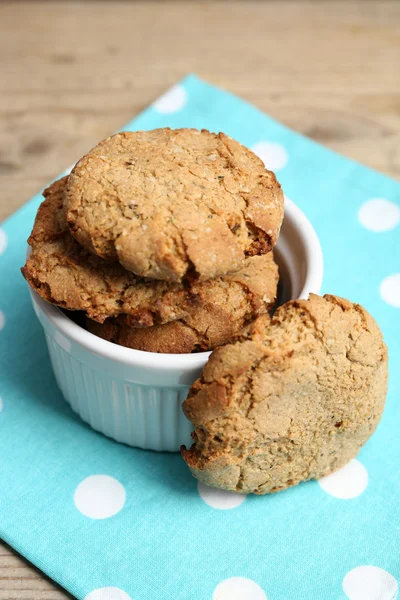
[(21, 581), (74, 72)]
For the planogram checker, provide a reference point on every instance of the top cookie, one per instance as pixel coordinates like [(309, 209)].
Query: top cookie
[(169, 204), (64, 273), (294, 398)]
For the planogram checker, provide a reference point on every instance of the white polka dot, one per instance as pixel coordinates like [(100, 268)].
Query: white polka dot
[(3, 241), (220, 498), (172, 101), (2, 320), (379, 214), (99, 497), (62, 341), (274, 156), (390, 290), (238, 588), (108, 593), (348, 482), (370, 583)]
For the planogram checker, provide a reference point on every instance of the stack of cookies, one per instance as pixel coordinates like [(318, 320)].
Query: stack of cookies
[(162, 239)]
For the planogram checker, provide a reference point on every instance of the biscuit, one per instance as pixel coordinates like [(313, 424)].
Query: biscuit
[(172, 338), (214, 322), (64, 273), (294, 398), (173, 204)]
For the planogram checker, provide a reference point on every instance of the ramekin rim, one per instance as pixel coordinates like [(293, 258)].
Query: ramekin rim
[(313, 249)]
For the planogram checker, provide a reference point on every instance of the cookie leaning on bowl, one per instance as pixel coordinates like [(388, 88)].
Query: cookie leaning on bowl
[(169, 204), (294, 398), (65, 274)]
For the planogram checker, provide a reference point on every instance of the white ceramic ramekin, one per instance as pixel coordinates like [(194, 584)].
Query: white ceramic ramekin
[(136, 397)]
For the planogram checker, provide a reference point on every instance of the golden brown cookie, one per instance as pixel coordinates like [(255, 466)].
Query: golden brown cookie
[(174, 203), (214, 322), (293, 399), (172, 338), (64, 273)]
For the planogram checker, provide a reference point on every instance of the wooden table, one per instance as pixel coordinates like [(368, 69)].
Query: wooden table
[(73, 73)]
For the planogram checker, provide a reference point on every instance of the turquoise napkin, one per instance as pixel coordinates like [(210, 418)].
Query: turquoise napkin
[(108, 522)]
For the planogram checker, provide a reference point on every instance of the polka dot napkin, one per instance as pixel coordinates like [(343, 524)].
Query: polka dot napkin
[(109, 522)]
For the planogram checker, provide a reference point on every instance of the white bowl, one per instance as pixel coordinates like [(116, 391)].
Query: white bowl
[(136, 397)]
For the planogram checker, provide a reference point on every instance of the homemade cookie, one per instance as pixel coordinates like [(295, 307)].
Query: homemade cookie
[(293, 399), (174, 203), (214, 322), (64, 273), (172, 338)]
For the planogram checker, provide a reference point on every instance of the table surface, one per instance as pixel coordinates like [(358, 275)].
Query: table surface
[(74, 72)]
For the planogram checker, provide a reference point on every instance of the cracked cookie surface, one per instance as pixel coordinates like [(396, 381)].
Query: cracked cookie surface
[(171, 204), (221, 312), (294, 398), (64, 273)]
